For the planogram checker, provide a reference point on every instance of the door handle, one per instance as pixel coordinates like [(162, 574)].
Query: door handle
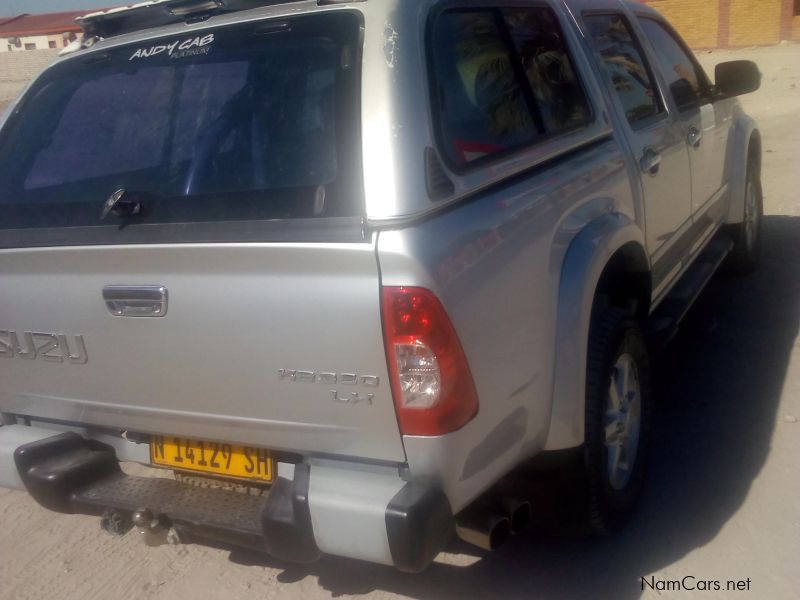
[(650, 161), (136, 300), (694, 137)]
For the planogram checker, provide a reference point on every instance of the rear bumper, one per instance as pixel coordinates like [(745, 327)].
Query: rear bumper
[(358, 511)]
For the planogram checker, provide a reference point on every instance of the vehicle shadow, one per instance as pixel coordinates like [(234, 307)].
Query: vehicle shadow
[(718, 387)]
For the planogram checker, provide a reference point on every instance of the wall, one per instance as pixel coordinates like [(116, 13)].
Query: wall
[(40, 42), (755, 22), (17, 68), (731, 23), (23, 65), (696, 21)]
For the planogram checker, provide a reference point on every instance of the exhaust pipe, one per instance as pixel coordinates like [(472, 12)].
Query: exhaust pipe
[(519, 513), (485, 529), (488, 525)]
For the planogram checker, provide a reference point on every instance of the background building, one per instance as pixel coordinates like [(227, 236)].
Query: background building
[(732, 23), (38, 32)]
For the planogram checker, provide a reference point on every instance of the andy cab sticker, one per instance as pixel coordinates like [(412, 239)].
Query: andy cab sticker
[(178, 49)]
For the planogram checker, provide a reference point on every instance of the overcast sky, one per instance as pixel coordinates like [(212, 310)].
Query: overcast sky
[(16, 7)]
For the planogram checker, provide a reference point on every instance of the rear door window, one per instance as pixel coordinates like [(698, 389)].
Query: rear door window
[(502, 80), (540, 47), (249, 122), (623, 58)]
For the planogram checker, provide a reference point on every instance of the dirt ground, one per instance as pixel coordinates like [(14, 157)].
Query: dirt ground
[(721, 504)]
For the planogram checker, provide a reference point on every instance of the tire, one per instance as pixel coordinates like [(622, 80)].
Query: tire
[(615, 437), (747, 234)]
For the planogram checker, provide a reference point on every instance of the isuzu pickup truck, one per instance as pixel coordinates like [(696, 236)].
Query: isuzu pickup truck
[(339, 269)]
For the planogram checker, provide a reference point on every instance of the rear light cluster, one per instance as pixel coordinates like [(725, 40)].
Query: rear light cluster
[(431, 382)]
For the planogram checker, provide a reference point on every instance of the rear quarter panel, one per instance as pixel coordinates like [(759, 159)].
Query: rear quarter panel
[(496, 264)]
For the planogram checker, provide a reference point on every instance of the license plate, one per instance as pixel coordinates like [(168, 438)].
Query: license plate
[(230, 460)]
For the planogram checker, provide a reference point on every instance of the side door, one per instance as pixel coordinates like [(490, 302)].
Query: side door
[(706, 125), (653, 136)]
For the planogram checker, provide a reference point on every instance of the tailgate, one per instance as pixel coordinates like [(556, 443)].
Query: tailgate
[(214, 160), (274, 345)]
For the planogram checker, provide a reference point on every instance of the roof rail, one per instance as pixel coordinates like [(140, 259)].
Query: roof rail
[(155, 13)]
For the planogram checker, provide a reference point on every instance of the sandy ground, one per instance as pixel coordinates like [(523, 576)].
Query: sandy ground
[(721, 504)]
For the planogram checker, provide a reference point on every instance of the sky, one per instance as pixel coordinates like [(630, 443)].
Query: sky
[(15, 7)]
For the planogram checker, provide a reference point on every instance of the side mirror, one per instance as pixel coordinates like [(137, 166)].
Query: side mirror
[(683, 94), (736, 77)]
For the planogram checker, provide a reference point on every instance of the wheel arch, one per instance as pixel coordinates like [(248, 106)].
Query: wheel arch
[(746, 149), (607, 256)]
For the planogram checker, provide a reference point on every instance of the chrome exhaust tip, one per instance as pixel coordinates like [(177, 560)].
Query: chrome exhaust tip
[(486, 530), (519, 514)]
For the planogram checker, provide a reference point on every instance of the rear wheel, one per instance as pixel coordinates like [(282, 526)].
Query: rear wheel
[(746, 235), (618, 411)]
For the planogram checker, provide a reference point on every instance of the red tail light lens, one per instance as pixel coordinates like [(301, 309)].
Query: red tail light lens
[(432, 385)]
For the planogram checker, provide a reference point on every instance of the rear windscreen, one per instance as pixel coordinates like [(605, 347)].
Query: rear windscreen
[(248, 122)]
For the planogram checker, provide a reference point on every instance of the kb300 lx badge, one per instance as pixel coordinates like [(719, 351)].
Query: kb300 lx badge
[(52, 347)]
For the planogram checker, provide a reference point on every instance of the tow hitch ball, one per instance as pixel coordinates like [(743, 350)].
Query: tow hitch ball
[(152, 529)]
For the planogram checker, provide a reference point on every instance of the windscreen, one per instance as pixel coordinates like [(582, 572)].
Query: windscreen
[(256, 121)]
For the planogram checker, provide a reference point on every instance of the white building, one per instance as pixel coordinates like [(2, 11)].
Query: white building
[(38, 32)]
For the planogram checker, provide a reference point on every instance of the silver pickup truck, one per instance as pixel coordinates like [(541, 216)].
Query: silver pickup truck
[(340, 270)]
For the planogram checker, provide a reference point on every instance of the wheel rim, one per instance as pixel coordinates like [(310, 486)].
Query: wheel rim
[(623, 420), (751, 215)]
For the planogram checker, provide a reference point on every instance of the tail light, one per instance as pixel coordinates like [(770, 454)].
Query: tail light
[(431, 382)]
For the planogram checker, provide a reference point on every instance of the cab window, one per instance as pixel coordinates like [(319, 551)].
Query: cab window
[(502, 80), (674, 60)]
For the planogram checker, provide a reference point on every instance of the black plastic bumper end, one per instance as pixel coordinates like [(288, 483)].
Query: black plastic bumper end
[(54, 468), (419, 523), (286, 520)]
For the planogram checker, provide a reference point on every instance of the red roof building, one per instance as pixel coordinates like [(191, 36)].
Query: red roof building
[(35, 32)]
